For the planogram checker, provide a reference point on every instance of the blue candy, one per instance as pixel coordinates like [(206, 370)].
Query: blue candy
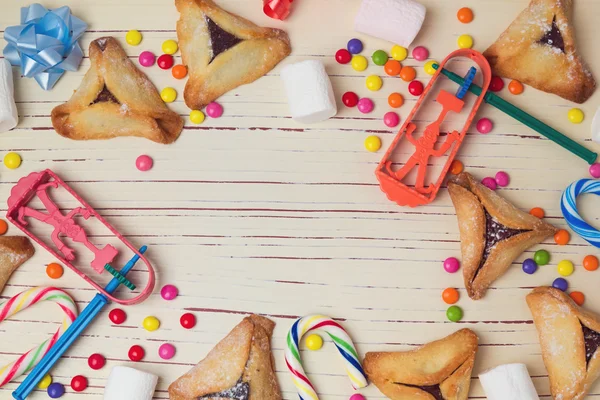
[(355, 46)]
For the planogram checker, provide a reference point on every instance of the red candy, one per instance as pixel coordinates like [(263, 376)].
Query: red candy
[(415, 88), (342, 56), (350, 99), (136, 353), (188, 320), (96, 361), (117, 316), (165, 61), (497, 84), (79, 383)]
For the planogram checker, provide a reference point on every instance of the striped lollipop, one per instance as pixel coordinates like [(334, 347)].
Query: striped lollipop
[(568, 206), (342, 341)]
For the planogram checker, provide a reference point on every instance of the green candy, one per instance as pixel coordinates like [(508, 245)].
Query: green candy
[(454, 313), (541, 257), (380, 57)]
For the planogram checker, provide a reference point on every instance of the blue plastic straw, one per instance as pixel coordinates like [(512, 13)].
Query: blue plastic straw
[(72, 333)]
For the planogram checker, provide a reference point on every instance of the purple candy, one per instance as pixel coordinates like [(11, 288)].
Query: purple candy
[(355, 46), (56, 390), (490, 183), (561, 284), (529, 266), (451, 265), (502, 179)]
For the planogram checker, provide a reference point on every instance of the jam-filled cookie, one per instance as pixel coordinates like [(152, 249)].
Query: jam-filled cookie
[(14, 251), (493, 232)]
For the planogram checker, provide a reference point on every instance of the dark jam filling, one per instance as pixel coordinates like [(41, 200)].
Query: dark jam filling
[(105, 96), (220, 40), (433, 390), (553, 37), (592, 342), (241, 391)]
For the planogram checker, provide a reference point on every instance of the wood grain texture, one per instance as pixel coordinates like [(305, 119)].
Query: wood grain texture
[(253, 212)]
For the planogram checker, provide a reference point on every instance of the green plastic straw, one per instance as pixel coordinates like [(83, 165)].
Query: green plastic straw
[(521, 116)]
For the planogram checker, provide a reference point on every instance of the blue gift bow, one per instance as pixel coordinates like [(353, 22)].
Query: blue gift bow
[(45, 45)]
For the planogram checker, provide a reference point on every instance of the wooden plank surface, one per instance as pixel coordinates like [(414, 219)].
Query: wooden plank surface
[(254, 212)]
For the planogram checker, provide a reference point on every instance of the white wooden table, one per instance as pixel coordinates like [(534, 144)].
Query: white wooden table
[(253, 212)]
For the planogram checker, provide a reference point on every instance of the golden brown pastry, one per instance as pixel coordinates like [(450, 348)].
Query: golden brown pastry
[(14, 251), (115, 99), (439, 370), (493, 232), (569, 337), (538, 49), (223, 51), (239, 367)]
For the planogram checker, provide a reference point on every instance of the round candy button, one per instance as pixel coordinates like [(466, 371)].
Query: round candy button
[(45, 382), (395, 100), (541, 257), (3, 227), (169, 47), (428, 67), (133, 37), (578, 298), (391, 119), (350, 99), (144, 163), (562, 237), (136, 353), (146, 59), (465, 41), (151, 323), (502, 179), (456, 167), (357, 396), (117, 316), (497, 84), (415, 88), (454, 313), (179, 71), (420, 53), (575, 115), (465, 15), (169, 292), (12, 160), (484, 125), (560, 284), (54, 270), (372, 143), (595, 170), (166, 351), (96, 361), (56, 390), (374, 83), (359, 63), (379, 57), (392, 67), (314, 342), (165, 61), (529, 266), (79, 383), (355, 46), (365, 105), (168, 95), (450, 296), (537, 212), (515, 87), (214, 110), (188, 320), (343, 56), (407, 74), (451, 264), (197, 117), (490, 183), (399, 53), (590, 263), (565, 268)]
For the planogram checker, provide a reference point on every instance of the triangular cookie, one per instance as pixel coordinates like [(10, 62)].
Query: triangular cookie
[(538, 49), (239, 367), (223, 51), (439, 370), (14, 251), (493, 232), (569, 337), (115, 99)]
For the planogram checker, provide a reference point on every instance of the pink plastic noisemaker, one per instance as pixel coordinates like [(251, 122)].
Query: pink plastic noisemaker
[(37, 185)]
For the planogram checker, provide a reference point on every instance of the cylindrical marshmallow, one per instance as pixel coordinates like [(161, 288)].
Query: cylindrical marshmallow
[(129, 384), (8, 109), (398, 21), (508, 382), (596, 126), (309, 91)]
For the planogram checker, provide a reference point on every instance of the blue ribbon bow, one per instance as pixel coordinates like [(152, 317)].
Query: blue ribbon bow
[(45, 45)]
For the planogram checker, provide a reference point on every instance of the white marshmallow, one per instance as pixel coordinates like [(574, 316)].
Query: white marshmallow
[(398, 21), (508, 382), (309, 91), (596, 126), (129, 384), (8, 109)]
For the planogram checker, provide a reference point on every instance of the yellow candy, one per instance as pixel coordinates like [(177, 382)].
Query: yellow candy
[(565, 268), (151, 324), (314, 342), (168, 95), (372, 143), (374, 83), (359, 63), (575, 115), (197, 116), (465, 41), (169, 47), (12, 160), (428, 67), (133, 37), (45, 382), (399, 53)]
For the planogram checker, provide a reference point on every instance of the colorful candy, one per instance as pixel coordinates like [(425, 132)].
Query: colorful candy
[(350, 99), (56, 390), (214, 110), (168, 95), (541, 257), (451, 264), (136, 353), (415, 88), (96, 361), (166, 351), (399, 53), (133, 37), (516, 87), (151, 323), (465, 41), (3, 227), (355, 46), (379, 57), (165, 61), (188, 320), (456, 167), (357, 396), (407, 74), (590, 263), (144, 163), (169, 292), (395, 100), (562, 237), (484, 125), (450, 296), (170, 47), (45, 382), (54, 270), (595, 170), (197, 117), (343, 56), (420, 53), (428, 67), (502, 179), (537, 212), (497, 84), (359, 63), (117, 316), (146, 59), (391, 119), (465, 15), (490, 183), (578, 297), (374, 83), (454, 313), (560, 284), (79, 383), (565, 268), (365, 105), (568, 206), (392, 67), (314, 342), (343, 343), (179, 71), (12, 160), (529, 266), (575, 115), (372, 143)]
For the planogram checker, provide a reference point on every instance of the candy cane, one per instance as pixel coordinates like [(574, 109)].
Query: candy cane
[(20, 302), (341, 340), (568, 206)]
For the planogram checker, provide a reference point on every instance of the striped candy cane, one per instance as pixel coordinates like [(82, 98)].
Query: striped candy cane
[(20, 302), (342, 341), (568, 206)]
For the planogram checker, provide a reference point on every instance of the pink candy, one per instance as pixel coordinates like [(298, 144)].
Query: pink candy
[(357, 396), (365, 105), (451, 265), (147, 58), (502, 179), (166, 351), (484, 125), (420, 53), (169, 292), (391, 119), (595, 170), (490, 183), (144, 163), (214, 110)]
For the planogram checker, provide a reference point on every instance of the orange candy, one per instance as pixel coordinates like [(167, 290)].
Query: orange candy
[(515, 87), (578, 297), (537, 212), (395, 100), (456, 167), (465, 15), (590, 263), (450, 296), (408, 74), (392, 67), (562, 237), (179, 71), (3, 227), (54, 270)]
